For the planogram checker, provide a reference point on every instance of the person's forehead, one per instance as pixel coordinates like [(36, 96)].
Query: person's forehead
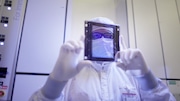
[(102, 29)]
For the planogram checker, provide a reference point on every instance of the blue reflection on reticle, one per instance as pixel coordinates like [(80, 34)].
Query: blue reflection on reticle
[(97, 35)]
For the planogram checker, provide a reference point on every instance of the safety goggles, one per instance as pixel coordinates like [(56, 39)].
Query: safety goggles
[(98, 35)]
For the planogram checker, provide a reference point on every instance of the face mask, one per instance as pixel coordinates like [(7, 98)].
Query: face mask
[(102, 48)]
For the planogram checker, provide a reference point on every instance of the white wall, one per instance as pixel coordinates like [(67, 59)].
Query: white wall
[(42, 36), (169, 22)]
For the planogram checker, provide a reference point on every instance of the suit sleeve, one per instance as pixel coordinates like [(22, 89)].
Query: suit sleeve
[(153, 89), (51, 91)]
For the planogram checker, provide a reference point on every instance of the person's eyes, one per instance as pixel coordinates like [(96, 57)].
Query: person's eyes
[(96, 35), (108, 35)]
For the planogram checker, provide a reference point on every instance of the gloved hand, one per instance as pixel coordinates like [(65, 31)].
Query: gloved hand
[(131, 60), (68, 64)]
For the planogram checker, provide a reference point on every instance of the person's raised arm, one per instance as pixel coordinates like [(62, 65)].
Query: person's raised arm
[(66, 67), (133, 62)]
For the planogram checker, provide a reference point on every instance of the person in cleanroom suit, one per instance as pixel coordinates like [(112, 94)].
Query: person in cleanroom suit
[(129, 79)]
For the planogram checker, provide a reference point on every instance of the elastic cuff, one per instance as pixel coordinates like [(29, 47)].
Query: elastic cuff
[(147, 82), (53, 88)]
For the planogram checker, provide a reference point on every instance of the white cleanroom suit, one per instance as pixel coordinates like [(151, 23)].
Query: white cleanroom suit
[(129, 79)]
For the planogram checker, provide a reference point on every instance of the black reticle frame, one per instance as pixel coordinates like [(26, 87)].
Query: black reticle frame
[(88, 25)]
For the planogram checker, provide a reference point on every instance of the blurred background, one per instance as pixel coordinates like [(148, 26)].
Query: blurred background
[(32, 31)]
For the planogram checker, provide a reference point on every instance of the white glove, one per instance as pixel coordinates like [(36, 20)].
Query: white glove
[(131, 60), (68, 65)]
